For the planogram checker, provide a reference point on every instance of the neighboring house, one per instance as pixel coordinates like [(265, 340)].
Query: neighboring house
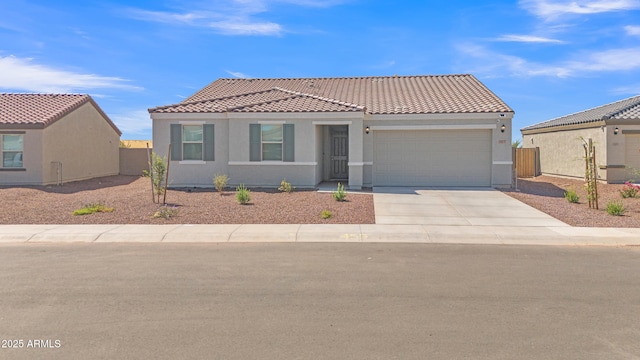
[(613, 128), (446, 130), (55, 138)]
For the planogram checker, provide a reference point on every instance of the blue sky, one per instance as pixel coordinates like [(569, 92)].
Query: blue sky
[(544, 58)]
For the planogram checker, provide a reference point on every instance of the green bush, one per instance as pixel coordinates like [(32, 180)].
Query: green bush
[(340, 194), (220, 182), (571, 196), (285, 186), (92, 208), (243, 195), (326, 214), (615, 208)]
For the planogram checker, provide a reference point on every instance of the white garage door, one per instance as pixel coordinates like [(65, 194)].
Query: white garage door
[(432, 158), (632, 150)]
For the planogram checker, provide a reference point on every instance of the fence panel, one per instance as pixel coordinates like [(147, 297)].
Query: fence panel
[(133, 161), (527, 162)]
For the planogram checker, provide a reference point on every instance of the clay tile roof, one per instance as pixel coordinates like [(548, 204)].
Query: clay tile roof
[(620, 110), (41, 110), (438, 94)]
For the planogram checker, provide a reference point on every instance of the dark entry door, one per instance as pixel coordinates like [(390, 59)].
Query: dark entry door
[(339, 152)]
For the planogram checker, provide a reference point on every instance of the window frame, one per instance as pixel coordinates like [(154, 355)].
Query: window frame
[(264, 142), (188, 142), (208, 142), (3, 151)]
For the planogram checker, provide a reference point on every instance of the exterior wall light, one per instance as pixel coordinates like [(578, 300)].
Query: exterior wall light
[(615, 131), (366, 130), (502, 128)]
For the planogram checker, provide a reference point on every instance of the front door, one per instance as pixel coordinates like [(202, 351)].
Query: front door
[(339, 139)]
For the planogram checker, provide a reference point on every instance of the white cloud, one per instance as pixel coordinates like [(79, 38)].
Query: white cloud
[(133, 122), (495, 64), (550, 10), (632, 30), (609, 60), (240, 27), (500, 65), (633, 89), (314, 3), (236, 24), (238, 74), (227, 17), (166, 17), (528, 39), (23, 75)]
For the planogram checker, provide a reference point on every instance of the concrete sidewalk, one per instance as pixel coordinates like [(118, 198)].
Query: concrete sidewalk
[(366, 233)]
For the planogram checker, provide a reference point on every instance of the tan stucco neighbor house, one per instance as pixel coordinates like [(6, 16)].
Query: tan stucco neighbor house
[(447, 130), (614, 129), (55, 138)]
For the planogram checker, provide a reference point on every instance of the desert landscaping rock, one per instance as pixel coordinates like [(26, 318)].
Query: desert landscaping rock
[(131, 198), (546, 193)]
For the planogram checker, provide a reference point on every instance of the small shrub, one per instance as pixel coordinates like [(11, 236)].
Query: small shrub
[(340, 194), (615, 208), (157, 174), (285, 186), (629, 190), (571, 196), (220, 182), (243, 195), (326, 214), (92, 208), (166, 212)]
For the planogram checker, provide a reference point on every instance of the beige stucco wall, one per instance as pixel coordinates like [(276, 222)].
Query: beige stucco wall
[(185, 173), (32, 160), (562, 152), (619, 168), (501, 169), (308, 168), (84, 142), (311, 134)]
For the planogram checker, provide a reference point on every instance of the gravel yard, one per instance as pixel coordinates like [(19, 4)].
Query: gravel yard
[(130, 196), (546, 193)]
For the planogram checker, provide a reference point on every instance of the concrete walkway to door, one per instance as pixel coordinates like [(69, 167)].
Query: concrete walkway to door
[(455, 207)]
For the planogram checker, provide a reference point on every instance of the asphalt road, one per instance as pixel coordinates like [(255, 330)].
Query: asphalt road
[(318, 301)]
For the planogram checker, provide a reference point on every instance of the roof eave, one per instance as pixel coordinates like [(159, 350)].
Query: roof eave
[(578, 126)]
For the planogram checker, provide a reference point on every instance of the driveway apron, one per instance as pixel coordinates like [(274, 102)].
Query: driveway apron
[(456, 207)]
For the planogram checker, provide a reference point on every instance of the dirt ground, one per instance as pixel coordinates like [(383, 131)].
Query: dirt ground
[(130, 196)]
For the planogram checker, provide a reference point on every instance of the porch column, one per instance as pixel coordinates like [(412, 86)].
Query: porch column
[(356, 160)]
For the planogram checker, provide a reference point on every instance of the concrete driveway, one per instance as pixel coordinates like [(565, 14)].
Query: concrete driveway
[(458, 207)]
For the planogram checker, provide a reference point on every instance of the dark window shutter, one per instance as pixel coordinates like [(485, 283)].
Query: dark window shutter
[(209, 142), (255, 148), (288, 143), (176, 142)]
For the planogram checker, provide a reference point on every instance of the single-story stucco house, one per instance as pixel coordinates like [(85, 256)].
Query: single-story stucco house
[(614, 130), (55, 138), (447, 130)]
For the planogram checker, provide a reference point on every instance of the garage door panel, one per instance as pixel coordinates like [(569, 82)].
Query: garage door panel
[(632, 150), (432, 158)]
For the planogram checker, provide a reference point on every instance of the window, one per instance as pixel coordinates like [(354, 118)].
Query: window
[(192, 142), (12, 146), (271, 142)]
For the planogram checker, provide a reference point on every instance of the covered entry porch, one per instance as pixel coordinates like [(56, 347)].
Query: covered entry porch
[(339, 153)]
